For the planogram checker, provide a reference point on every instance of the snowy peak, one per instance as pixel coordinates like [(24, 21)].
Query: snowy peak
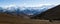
[(27, 10)]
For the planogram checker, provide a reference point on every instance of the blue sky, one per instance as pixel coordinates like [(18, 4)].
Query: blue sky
[(28, 2)]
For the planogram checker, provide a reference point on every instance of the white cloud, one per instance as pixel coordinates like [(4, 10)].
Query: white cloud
[(11, 5), (36, 5), (7, 6)]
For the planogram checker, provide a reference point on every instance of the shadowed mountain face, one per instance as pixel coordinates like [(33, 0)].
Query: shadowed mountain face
[(53, 13)]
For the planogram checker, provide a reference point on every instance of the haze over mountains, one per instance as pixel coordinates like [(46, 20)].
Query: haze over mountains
[(26, 10)]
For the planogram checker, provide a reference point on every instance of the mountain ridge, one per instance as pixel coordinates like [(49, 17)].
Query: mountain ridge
[(25, 10)]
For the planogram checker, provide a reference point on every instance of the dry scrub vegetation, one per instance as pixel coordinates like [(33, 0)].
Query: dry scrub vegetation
[(7, 18)]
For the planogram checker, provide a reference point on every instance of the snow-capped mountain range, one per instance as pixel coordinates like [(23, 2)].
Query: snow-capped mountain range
[(26, 10)]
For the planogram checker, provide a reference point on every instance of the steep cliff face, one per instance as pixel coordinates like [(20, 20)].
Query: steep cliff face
[(53, 13)]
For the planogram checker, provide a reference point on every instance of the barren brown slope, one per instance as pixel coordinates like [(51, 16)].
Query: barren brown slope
[(53, 14), (9, 19)]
